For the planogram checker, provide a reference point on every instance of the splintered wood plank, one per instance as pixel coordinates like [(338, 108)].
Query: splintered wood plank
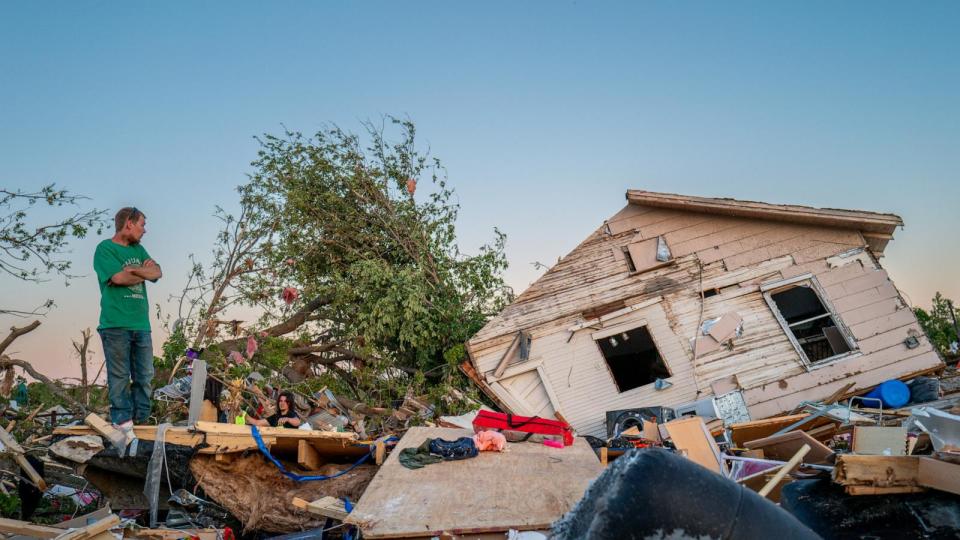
[(234, 429), (881, 474), (532, 485), (880, 440), (330, 507), (106, 429), (8, 442), (92, 530), (178, 435), (872, 490), (937, 474), (743, 432), (13, 526), (170, 534)]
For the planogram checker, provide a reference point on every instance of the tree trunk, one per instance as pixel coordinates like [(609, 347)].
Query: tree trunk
[(82, 350)]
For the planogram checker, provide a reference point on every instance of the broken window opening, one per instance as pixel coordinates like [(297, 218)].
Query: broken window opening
[(707, 293), (630, 266), (633, 358), (813, 326)]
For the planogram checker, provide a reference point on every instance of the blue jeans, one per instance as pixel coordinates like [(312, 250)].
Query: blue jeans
[(129, 356)]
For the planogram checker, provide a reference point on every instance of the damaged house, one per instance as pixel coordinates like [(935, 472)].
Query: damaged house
[(745, 308)]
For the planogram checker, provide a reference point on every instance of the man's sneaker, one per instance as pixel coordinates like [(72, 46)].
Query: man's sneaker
[(126, 428)]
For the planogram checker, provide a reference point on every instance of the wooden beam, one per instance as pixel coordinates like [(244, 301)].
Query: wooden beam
[(15, 526), (106, 429), (307, 456), (790, 465), (330, 507), (19, 455), (505, 359), (179, 435), (380, 451), (834, 397), (941, 475), (198, 382), (234, 429), (93, 529)]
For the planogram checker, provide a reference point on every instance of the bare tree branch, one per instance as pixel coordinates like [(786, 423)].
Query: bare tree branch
[(6, 363), (17, 332)]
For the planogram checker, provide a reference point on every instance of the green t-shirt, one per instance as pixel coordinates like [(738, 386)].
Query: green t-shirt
[(121, 306)]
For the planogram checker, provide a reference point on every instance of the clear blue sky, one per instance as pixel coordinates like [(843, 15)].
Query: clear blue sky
[(544, 113)]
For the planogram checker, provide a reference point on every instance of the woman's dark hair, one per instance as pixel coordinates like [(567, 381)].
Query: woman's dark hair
[(290, 402)]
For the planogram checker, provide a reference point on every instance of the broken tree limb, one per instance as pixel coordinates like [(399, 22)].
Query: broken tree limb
[(19, 455), (6, 362), (17, 332), (289, 325), (82, 350)]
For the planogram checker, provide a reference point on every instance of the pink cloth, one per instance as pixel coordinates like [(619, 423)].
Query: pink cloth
[(490, 441)]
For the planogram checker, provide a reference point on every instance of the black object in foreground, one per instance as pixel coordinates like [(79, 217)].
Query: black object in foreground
[(653, 493), (825, 508)]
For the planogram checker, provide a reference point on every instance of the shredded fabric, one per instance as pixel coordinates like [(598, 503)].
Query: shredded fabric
[(419, 457)]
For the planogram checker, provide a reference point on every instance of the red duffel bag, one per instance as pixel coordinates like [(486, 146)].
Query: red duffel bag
[(528, 424)]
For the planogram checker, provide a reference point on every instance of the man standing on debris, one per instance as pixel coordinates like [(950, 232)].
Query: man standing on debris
[(122, 266), (284, 417)]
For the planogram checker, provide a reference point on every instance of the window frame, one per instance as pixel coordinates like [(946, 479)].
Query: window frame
[(771, 288), (616, 330)]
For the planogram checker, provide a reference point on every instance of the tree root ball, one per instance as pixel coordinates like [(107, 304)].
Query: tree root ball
[(255, 492)]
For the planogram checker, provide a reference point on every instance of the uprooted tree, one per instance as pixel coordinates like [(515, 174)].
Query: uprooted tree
[(353, 263)]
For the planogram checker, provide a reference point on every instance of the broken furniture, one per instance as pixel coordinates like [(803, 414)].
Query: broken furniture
[(527, 487)]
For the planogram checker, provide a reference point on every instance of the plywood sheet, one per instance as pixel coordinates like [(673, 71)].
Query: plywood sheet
[(690, 436), (939, 475), (880, 440), (525, 488), (743, 432), (644, 255)]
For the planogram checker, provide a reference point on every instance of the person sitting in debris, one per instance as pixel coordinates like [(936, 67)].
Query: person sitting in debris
[(284, 417)]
